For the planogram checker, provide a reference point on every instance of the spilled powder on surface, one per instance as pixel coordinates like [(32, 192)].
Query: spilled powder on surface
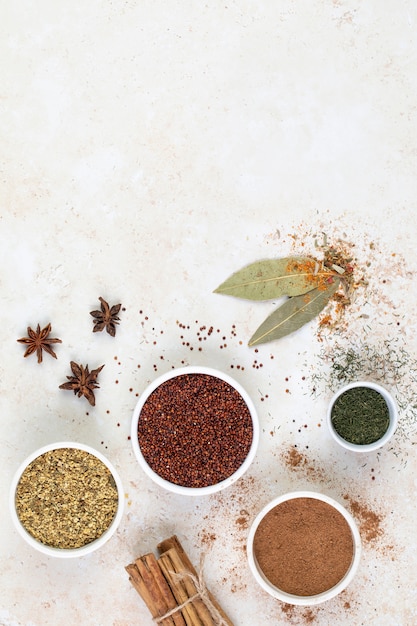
[(369, 521)]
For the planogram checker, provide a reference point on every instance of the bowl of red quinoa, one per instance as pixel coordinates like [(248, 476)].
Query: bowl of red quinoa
[(66, 499), (304, 548), (194, 431)]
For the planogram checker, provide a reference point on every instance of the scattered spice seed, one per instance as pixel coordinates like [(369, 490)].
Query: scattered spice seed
[(195, 430)]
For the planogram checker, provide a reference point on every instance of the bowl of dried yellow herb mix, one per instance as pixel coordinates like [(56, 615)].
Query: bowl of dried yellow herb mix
[(66, 499)]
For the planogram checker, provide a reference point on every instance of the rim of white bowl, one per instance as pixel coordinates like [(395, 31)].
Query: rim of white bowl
[(179, 489), (66, 553), (393, 417), (290, 598)]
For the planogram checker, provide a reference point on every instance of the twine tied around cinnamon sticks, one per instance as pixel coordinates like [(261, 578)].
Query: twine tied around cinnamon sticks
[(202, 593), (175, 594)]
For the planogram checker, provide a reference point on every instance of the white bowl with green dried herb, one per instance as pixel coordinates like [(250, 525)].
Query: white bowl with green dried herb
[(66, 499), (362, 416)]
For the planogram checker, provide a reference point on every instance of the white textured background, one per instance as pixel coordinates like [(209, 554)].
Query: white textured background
[(148, 150)]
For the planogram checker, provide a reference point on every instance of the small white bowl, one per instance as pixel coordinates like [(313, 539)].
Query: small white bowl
[(290, 598), (65, 552), (180, 489), (393, 418)]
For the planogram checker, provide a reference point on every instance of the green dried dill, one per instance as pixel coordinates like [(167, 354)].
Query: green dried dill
[(360, 415), (387, 362)]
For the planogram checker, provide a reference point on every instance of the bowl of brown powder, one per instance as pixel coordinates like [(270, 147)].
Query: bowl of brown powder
[(304, 548), (66, 499), (194, 431)]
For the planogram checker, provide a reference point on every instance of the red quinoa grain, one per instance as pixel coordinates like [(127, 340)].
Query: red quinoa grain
[(195, 430)]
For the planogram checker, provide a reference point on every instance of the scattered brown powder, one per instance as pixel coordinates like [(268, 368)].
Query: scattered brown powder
[(236, 509), (243, 522), (309, 616), (350, 603), (369, 521), (294, 458), (296, 461), (298, 615), (207, 538)]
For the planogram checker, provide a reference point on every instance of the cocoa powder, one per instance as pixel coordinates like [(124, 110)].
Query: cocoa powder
[(304, 546)]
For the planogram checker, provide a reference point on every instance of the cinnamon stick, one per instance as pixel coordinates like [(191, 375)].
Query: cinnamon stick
[(173, 591), (148, 580), (195, 612), (174, 542)]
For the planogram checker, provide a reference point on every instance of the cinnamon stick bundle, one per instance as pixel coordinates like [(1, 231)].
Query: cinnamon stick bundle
[(173, 591), (173, 543), (146, 577)]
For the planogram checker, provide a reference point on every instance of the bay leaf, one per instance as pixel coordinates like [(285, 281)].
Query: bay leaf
[(273, 278), (294, 313)]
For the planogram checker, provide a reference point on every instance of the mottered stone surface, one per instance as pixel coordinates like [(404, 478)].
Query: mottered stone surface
[(149, 150)]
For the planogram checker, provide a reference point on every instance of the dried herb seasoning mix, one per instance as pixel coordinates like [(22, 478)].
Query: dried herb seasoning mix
[(360, 415), (66, 498), (304, 546), (195, 430)]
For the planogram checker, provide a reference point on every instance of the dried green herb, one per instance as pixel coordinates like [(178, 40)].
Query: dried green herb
[(388, 362), (294, 313), (360, 415), (273, 278)]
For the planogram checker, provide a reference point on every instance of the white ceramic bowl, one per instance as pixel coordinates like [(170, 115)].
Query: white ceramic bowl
[(393, 418), (179, 489), (296, 599), (66, 552)]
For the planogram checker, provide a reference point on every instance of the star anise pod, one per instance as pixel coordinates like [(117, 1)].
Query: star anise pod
[(38, 340), (107, 318), (83, 382)]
